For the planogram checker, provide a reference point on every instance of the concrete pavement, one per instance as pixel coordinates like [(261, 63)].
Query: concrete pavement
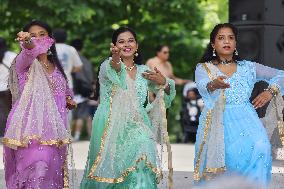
[(183, 155)]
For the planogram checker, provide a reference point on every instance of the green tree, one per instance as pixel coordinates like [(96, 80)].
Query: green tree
[(182, 24)]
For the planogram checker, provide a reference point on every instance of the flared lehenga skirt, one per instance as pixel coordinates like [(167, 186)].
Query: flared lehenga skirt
[(142, 177), (35, 166), (247, 147)]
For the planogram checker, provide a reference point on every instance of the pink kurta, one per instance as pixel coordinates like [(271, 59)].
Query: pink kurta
[(37, 165)]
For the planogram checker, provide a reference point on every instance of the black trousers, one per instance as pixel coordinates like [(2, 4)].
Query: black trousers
[(5, 107)]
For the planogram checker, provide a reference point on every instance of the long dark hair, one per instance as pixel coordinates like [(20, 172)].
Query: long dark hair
[(3, 49), (52, 57), (208, 54)]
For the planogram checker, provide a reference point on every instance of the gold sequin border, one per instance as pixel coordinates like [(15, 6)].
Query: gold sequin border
[(128, 171), (12, 143), (196, 174), (120, 179), (65, 174)]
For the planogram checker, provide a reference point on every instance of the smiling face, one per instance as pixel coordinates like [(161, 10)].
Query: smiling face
[(225, 42), (127, 43), (38, 32)]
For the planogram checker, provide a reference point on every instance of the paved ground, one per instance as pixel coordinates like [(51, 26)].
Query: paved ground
[(183, 155)]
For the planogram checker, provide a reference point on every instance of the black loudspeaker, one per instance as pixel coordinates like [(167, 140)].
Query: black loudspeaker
[(262, 43), (260, 25), (247, 12)]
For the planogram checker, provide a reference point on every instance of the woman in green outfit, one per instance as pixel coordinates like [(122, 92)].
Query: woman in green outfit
[(123, 148)]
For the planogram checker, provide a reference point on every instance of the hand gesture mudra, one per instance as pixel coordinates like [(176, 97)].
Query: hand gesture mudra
[(219, 83), (23, 36), (116, 53), (155, 77)]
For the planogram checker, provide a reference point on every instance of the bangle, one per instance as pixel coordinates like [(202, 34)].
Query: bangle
[(273, 90), (210, 86), (28, 41), (68, 97)]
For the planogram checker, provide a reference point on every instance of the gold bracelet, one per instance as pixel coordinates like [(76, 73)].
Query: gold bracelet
[(28, 41), (210, 86), (273, 90), (68, 97)]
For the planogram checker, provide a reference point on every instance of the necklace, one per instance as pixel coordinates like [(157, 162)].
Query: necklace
[(45, 65), (225, 62), (130, 68)]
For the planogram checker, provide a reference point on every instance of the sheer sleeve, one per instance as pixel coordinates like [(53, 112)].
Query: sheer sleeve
[(270, 75), (25, 59), (69, 91), (202, 79), (27, 56), (108, 75)]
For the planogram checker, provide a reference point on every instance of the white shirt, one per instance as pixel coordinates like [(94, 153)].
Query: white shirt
[(4, 71), (69, 58)]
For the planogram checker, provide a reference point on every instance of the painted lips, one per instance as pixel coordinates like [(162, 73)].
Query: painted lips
[(227, 47), (127, 50)]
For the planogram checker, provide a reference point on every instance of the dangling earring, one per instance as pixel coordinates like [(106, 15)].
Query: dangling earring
[(236, 52), (136, 53), (49, 52), (214, 54)]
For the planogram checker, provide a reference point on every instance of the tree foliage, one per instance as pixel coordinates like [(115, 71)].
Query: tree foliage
[(182, 24)]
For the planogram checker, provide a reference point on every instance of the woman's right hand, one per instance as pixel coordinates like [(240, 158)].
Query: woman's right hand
[(116, 53), (23, 36), (219, 83)]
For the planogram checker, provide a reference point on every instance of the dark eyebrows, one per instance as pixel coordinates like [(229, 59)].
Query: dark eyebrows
[(40, 32), (127, 39), (225, 35)]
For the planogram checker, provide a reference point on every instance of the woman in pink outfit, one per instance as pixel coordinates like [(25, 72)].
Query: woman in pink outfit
[(36, 137)]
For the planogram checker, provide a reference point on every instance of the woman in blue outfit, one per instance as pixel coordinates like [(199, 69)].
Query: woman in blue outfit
[(230, 137)]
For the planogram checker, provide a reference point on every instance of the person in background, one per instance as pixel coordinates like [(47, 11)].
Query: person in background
[(83, 88), (69, 58), (191, 109), (6, 58), (93, 105), (161, 62)]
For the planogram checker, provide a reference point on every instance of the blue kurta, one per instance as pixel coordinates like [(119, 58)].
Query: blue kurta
[(247, 147)]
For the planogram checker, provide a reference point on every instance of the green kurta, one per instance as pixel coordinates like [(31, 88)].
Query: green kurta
[(123, 151)]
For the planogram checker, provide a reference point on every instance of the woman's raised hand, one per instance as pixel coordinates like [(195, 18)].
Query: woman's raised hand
[(155, 76), (23, 36), (116, 53)]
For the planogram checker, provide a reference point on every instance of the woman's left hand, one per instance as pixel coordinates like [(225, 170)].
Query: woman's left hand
[(155, 77), (262, 99), (71, 104)]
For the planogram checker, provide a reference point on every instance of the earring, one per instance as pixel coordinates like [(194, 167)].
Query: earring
[(214, 54), (136, 53), (236, 52), (49, 52)]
